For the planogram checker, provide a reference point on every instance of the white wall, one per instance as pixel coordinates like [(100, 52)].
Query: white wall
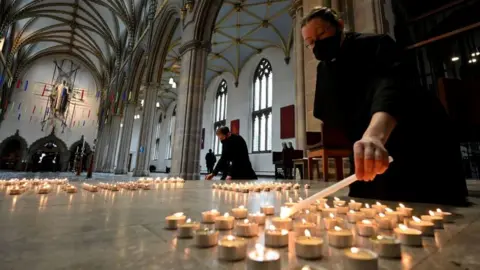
[(40, 73), (239, 105)]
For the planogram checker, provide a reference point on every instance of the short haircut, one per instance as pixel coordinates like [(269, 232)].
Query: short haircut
[(223, 130), (327, 14)]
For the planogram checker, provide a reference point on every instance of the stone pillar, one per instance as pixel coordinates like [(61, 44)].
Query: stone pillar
[(103, 148), (373, 16), (123, 153), (142, 167), (188, 128), (113, 142), (98, 150), (300, 130)]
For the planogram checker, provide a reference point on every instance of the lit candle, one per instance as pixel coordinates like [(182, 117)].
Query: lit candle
[(365, 228), (380, 208), (246, 229), (186, 230), (447, 216), (436, 220), (341, 210), (267, 210), (332, 221), (408, 236), (300, 227), (205, 238), (209, 216), (426, 227), (231, 248), (296, 186), (174, 220), (407, 212), (320, 204), (257, 189), (368, 211), (360, 259), (310, 216), (394, 215), (261, 258), (354, 205), (283, 222), (353, 216), (44, 189), (340, 238), (240, 213), (224, 222), (338, 202), (308, 247), (386, 246), (15, 190), (290, 203), (70, 189), (326, 211), (276, 238), (306, 186), (384, 222), (258, 218)]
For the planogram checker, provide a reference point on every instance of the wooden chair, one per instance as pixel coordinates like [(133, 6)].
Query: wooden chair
[(327, 144), (283, 162)]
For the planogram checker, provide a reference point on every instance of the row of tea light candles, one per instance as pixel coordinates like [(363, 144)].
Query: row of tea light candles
[(306, 245), (42, 186), (258, 187)]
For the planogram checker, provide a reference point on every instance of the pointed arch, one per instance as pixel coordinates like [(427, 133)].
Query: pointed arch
[(262, 107), (16, 138), (40, 145), (220, 113)]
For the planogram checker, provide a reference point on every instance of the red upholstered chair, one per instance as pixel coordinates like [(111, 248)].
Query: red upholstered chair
[(330, 143)]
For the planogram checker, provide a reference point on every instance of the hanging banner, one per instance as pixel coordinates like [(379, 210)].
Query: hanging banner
[(88, 114), (82, 94), (19, 115), (73, 124), (44, 88), (124, 97), (34, 108), (19, 106), (26, 86), (1, 80), (19, 83), (83, 122), (129, 95)]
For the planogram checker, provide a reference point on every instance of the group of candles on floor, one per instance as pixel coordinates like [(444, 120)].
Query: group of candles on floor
[(368, 221), (258, 187), (41, 186), (142, 183)]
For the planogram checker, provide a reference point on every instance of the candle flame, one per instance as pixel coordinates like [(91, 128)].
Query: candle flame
[(402, 227), (303, 221), (326, 206), (352, 212), (401, 205), (226, 215), (300, 199), (272, 228), (284, 212), (388, 210), (318, 201), (337, 228), (379, 237), (382, 215), (416, 219), (431, 213), (439, 210), (352, 201), (378, 203), (307, 233), (230, 238), (189, 220), (284, 232), (332, 215), (179, 214), (307, 212), (241, 207), (259, 248), (366, 221), (367, 205), (213, 210), (246, 221), (290, 200), (336, 199), (354, 250)]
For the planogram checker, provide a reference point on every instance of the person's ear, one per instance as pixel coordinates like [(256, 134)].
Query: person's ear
[(341, 25)]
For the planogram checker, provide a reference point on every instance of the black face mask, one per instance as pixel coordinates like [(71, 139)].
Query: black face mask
[(326, 49)]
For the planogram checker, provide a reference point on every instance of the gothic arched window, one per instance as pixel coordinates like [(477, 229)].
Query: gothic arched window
[(171, 130), (262, 107), (220, 111)]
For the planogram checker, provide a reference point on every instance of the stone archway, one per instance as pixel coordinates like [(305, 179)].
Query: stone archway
[(74, 149), (54, 148), (13, 151)]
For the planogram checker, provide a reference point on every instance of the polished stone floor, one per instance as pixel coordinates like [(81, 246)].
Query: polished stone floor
[(125, 230)]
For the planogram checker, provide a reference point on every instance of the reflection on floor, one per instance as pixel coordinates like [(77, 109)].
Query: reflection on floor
[(125, 230)]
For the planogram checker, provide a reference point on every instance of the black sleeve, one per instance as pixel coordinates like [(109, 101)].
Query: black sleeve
[(222, 163)]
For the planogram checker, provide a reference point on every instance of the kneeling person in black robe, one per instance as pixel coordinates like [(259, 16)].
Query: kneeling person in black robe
[(234, 157)]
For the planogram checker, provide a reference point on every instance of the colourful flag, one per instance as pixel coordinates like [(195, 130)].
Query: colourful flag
[(44, 88), (82, 94), (34, 107), (26, 86), (88, 114), (19, 83), (19, 115)]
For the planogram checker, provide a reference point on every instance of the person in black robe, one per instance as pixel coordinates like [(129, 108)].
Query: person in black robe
[(361, 91), (234, 157), (210, 159)]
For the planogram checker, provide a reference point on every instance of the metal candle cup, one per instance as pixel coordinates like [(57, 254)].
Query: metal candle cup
[(267, 210), (224, 222), (209, 216), (365, 228), (384, 222), (380, 208), (205, 238), (340, 238), (369, 212), (327, 210), (174, 220), (353, 217), (447, 216), (263, 259), (426, 227), (246, 229), (240, 213), (231, 248), (386, 246), (300, 227), (338, 202), (282, 223), (436, 220), (408, 236), (308, 247), (332, 221), (407, 212), (353, 205), (276, 238), (342, 210), (394, 215), (186, 229), (258, 218), (360, 259)]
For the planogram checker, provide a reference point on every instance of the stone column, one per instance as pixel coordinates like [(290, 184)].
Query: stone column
[(300, 130), (123, 153), (103, 147), (188, 128), (113, 141), (98, 150), (146, 132)]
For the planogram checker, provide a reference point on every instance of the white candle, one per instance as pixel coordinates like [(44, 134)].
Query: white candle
[(384, 222), (368, 211), (246, 229), (447, 216), (308, 247), (240, 213), (224, 222), (353, 216), (407, 212), (186, 230), (340, 238), (300, 227), (258, 218), (360, 259), (408, 236), (209, 216), (261, 258), (231, 248), (436, 220), (380, 208), (332, 221), (276, 238), (354, 205), (267, 210), (338, 202), (174, 220), (365, 228), (386, 246), (426, 227)]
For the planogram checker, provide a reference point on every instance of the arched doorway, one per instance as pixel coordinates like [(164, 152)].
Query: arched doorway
[(76, 153), (48, 154), (12, 153)]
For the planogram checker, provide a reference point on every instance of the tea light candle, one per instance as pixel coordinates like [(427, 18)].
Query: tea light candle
[(210, 216), (300, 227), (231, 248), (384, 222), (338, 202), (380, 208), (296, 186), (326, 211), (186, 230), (393, 215), (290, 203), (332, 221), (447, 216), (240, 213), (276, 238), (174, 220), (261, 258), (306, 186), (426, 227), (353, 216), (353, 205), (246, 229), (44, 189), (386, 246), (205, 238), (267, 210), (308, 247), (71, 189), (342, 210), (368, 211), (408, 236), (407, 212), (283, 222), (340, 238), (258, 218), (15, 190), (436, 220), (224, 222), (320, 204), (365, 228), (360, 259)]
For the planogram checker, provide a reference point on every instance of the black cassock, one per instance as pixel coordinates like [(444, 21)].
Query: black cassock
[(366, 78), (235, 159)]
